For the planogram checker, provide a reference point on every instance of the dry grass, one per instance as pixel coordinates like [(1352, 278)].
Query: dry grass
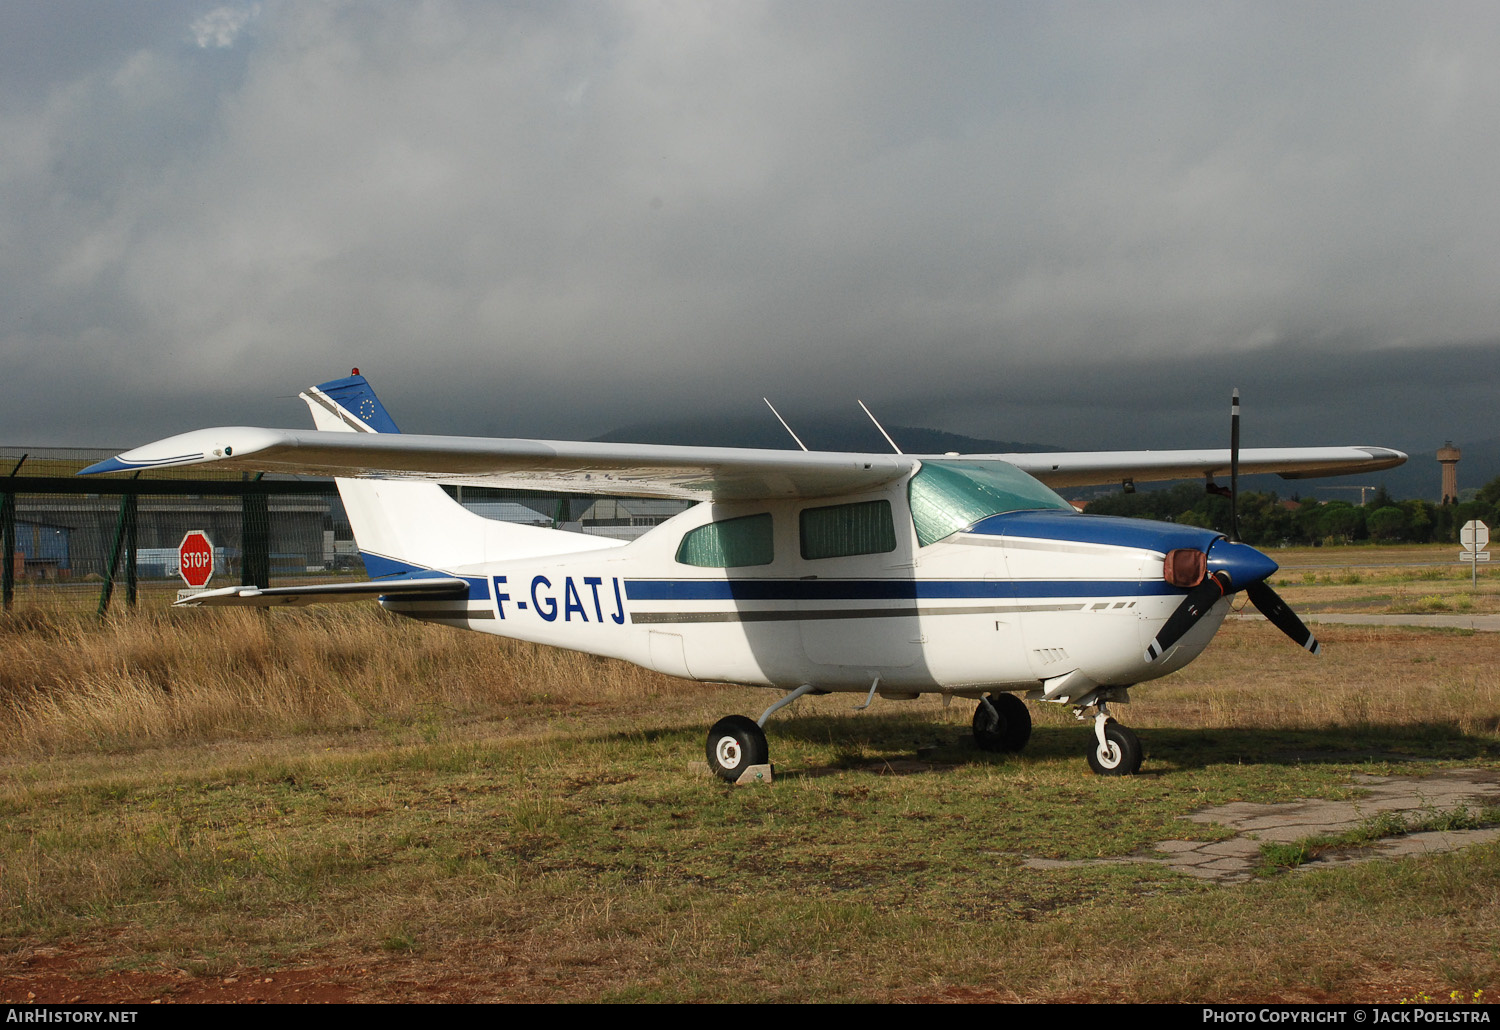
[(1252, 677), (584, 861), (151, 677), (68, 683)]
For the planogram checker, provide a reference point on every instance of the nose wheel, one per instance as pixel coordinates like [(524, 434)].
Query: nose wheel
[(1116, 750)]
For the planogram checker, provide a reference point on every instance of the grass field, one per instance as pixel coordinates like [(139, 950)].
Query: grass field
[(1399, 580), (333, 804)]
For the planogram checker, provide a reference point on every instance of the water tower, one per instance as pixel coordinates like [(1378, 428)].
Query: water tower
[(1447, 457)]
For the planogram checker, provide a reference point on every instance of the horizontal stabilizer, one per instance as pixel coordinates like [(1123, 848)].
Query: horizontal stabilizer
[(428, 588)]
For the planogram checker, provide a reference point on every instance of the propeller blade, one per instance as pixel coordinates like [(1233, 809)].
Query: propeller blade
[(1193, 607), (1279, 615)]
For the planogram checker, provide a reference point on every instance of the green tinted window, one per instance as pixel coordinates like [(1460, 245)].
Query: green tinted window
[(845, 529), (730, 544), (950, 496)]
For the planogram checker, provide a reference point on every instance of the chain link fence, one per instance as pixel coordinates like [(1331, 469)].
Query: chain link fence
[(91, 542)]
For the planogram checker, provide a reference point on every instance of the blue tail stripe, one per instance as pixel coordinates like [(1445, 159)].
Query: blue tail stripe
[(382, 568), (354, 395)]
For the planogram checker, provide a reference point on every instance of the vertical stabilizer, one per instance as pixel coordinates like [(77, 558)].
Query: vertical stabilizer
[(349, 404), (400, 524)]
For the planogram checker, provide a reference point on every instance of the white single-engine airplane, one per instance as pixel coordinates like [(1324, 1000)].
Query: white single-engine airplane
[(808, 572)]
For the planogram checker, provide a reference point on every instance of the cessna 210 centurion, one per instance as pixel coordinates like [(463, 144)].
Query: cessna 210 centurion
[(806, 572)]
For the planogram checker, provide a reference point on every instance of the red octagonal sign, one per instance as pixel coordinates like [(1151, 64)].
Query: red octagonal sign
[(195, 559)]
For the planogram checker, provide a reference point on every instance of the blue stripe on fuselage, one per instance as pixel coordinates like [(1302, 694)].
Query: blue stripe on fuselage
[(881, 589), (1096, 529)]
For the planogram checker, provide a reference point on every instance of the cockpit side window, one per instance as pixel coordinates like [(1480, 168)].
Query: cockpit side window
[(729, 544), (948, 497), (840, 530)]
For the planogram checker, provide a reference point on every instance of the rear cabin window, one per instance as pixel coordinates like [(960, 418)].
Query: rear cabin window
[(730, 544), (841, 530), (948, 497)]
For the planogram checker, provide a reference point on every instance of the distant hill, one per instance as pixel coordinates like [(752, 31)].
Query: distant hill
[(818, 434)]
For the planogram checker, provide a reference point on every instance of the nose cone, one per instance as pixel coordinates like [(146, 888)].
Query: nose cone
[(1245, 565)]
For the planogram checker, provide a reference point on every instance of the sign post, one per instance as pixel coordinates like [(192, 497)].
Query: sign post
[(1474, 536), (195, 559)]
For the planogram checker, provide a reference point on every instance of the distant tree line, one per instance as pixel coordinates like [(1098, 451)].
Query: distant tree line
[(1267, 521)]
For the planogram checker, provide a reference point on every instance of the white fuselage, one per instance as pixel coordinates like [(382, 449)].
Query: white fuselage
[(967, 613)]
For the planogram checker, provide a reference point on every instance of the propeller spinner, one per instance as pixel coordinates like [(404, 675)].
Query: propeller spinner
[(1232, 567)]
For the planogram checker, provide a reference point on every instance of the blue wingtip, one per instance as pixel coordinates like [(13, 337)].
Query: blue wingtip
[(107, 465)]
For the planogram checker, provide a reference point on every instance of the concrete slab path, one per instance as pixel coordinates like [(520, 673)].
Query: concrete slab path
[(1234, 860)]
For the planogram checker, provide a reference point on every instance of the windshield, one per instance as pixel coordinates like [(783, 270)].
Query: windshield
[(948, 497)]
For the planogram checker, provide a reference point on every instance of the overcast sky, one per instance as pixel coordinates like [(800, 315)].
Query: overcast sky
[(1073, 223)]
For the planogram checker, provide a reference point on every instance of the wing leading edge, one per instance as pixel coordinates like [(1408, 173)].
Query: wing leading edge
[(1097, 468), (640, 470)]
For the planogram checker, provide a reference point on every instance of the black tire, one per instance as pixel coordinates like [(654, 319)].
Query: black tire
[(1121, 755), (735, 744), (1007, 729)]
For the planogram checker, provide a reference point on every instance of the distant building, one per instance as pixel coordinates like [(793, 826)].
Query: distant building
[(70, 536), (1447, 457), (41, 550)]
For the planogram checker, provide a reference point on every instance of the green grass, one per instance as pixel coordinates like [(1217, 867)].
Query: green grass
[(588, 848)]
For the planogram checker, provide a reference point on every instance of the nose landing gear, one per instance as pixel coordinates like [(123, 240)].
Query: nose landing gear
[(1116, 750)]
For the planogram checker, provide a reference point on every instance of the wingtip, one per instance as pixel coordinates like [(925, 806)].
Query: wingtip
[(107, 465)]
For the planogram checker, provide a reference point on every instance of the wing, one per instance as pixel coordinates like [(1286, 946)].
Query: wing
[(690, 473), (637, 470), (1096, 468), (357, 438)]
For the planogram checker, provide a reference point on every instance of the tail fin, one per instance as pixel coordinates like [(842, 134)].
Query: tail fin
[(349, 403), (401, 525)]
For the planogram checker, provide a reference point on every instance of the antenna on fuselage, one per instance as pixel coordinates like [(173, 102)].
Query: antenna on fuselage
[(881, 428), (783, 422)]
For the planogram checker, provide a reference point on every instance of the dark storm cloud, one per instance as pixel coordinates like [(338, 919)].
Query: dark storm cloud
[(1008, 220)]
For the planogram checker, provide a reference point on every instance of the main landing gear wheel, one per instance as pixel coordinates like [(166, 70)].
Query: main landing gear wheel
[(1119, 755), (735, 744), (1002, 724)]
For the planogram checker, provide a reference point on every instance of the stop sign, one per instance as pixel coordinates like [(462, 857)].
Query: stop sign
[(1475, 535), (195, 559)]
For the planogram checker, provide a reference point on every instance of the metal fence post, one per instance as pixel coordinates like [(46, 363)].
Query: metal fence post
[(255, 539), (131, 560), (8, 541), (114, 556), (8, 548)]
